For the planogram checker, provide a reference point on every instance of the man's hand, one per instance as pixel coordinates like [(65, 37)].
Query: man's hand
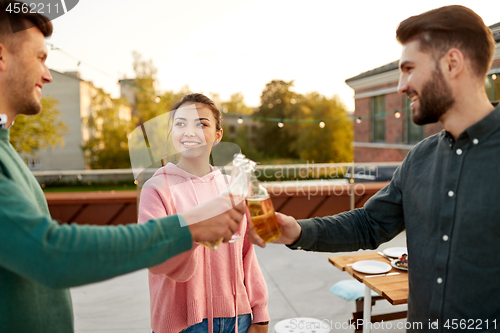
[(214, 220), (258, 328), (290, 230)]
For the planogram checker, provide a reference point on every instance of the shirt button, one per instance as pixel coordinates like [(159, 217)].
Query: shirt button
[(459, 151), (445, 238), (299, 247), (439, 280), (434, 324), (450, 194), (475, 141)]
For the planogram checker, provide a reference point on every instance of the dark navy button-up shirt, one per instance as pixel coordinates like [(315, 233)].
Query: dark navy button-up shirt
[(446, 194)]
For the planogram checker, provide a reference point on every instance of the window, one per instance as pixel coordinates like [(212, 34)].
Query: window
[(493, 87), (32, 163), (378, 119), (413, 133)]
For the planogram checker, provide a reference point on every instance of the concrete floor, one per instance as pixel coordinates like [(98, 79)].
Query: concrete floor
[(298, 284)]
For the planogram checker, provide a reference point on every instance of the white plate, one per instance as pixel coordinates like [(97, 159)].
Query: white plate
[(395, 252), (371, 267), (393, 264)]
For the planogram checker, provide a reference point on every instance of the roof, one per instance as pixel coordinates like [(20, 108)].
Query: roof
[(73, 75), (495, 28), (386, 68)]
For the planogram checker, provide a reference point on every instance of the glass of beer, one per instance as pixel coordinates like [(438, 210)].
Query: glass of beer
[(263, 217)]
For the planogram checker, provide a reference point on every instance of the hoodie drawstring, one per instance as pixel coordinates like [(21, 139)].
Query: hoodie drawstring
[(234, 284), (208, 272)]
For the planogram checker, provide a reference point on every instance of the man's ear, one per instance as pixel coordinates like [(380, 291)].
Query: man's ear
[(454, 62)]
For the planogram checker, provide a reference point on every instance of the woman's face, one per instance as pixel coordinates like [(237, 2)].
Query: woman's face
[(194, 130)]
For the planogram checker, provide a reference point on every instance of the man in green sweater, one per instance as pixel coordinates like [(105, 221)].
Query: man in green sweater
[(40, 259)]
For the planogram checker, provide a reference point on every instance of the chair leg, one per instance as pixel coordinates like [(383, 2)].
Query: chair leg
[(357, 316)]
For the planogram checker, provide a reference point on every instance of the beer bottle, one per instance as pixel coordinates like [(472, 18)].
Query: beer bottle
[(261, 207)]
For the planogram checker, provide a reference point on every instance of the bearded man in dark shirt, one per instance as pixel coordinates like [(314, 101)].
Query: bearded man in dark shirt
[(445, 192)]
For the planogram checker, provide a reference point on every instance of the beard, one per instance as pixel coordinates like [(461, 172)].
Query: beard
[(436, 99), (22, 96)]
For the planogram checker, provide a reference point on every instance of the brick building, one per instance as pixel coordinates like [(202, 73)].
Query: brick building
[(383, 130)]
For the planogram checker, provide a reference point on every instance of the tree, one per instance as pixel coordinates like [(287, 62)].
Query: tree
[(245, 143), (107, 147), (332, 143), (236, 105), (147, 103), (32, 133), (280, 102)]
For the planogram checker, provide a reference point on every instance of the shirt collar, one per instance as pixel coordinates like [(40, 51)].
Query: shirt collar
[(480, 130), (486, 126), (4, 134)]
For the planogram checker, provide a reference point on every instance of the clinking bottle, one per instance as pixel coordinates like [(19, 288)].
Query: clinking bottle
[(236, 191), (261, 207)]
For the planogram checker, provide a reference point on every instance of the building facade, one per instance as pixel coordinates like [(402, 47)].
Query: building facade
[(76, 102), (383, 130)]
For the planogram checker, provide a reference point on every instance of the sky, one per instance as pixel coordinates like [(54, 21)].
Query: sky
[(230, 46)]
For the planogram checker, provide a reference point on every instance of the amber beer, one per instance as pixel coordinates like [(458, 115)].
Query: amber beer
[(212, 245), (264, 218)]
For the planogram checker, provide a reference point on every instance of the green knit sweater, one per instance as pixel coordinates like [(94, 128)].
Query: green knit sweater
[(40, 259)]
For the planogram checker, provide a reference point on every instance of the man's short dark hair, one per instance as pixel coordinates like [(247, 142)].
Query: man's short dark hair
[(441, 29), (10, 22)]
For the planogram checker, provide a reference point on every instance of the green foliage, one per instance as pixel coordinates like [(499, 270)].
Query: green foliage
[(149, 103), (245, 143), (304, 141), (31, 133), (236, 105), (146, 104), (279, 101), (332, 144), (107, 147)]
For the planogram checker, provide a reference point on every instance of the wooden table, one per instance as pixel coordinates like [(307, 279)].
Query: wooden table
[(393, 288)]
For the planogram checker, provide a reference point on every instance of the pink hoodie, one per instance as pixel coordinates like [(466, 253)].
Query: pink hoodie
[(200, 283)]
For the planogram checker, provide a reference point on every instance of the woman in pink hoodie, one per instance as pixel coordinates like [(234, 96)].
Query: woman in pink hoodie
[(201, 290)]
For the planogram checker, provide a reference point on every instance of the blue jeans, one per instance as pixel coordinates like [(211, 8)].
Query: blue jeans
[(221, 325)]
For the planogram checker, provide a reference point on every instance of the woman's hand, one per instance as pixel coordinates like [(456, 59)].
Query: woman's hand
[(290, 230), (254, 328)]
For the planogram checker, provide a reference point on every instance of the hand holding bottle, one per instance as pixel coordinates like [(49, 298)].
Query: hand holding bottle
[(217, 220)]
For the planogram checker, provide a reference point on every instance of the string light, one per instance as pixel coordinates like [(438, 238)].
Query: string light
[(322, 122), (494, 76)]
